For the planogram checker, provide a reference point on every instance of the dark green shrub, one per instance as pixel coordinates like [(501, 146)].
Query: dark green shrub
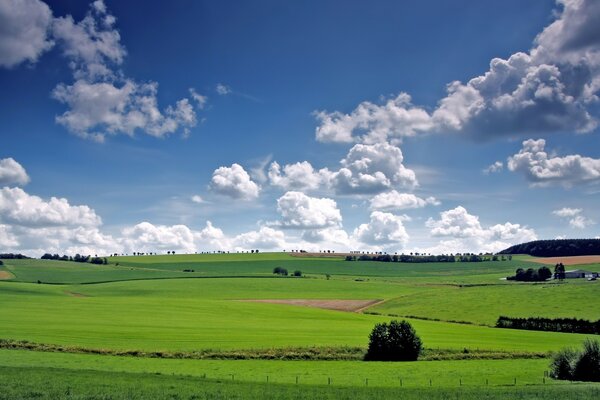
[(562, 364), (280, 271), (578, 366), (298, 273), (587, 367), (396, 341)]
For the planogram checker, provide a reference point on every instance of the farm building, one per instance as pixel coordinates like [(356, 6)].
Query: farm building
[(579, 273)]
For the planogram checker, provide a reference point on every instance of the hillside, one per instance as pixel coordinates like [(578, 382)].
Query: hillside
[(556, 248)]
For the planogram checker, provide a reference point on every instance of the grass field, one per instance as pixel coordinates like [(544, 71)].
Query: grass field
[(52, 383), (148, 303)]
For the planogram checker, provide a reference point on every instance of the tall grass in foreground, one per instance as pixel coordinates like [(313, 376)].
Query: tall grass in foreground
[(51, 383)]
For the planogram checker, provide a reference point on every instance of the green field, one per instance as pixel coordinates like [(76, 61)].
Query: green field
[(148, 303)]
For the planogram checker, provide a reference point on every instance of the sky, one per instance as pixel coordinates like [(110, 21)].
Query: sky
[(190, 126)]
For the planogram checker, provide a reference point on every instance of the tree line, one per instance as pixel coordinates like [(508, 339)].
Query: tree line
[(76, 258), (531, 275), (405, 258), (13, 256), (556, 248), (569, 325)]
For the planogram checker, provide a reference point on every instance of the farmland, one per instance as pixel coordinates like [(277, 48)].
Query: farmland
[(233, 303)]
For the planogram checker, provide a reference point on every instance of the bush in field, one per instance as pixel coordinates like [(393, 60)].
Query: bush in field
[(1, 263), (396, 341), (298, 273), (280, 271), (578, 366)]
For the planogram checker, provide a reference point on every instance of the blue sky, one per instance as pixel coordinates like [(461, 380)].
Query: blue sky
[(395, 126)]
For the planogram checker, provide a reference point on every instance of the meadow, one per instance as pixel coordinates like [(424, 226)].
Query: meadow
[(147, 303)]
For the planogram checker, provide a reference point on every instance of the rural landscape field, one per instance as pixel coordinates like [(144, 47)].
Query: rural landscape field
[(299, 199), (141, 325)]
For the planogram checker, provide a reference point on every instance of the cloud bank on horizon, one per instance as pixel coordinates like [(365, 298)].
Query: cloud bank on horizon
[(552, 88)]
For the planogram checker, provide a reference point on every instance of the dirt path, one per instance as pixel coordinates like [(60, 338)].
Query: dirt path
[(5, 275), (575, 260), (73, 294), (338, 305)]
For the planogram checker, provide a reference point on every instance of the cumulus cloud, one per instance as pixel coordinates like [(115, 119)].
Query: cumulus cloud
[(24, 28), (382, 229), (264, 238), (234, 182), (394, 200), (548, 89), (494, 168), (146, 237), (541, 170), (34, 226), (102, 100), (222, 89), (366, 169), (197, 199), (11, 172), (574, 216), (298, 176), (462, 232), (300, 211), (20, 208)]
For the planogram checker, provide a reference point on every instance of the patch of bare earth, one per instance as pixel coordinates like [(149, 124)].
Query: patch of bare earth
[(338, 305), (5, 275), (73, 294), (575, 260)]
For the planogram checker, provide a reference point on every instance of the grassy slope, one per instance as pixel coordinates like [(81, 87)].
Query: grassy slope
[(342, 373), (483, 304), (189, 314), (53, 383)]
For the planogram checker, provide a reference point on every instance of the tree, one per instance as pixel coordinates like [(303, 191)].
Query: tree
[(298, 273), (280, 271), (396, 341), (559, 271)]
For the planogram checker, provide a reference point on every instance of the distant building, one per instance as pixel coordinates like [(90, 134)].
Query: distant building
[(580, 273)]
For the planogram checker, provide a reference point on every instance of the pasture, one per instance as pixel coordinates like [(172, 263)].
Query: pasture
[(233, 302)]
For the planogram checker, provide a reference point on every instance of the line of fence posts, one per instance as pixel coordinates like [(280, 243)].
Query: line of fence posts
[(400, 380)]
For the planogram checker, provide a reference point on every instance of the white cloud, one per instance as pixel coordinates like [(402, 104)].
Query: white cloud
[(97, 109), (197, 199), (394, 200), (567, 212), (466, 234), (298, 176), (580, 222), (541, 170), (24, 26), (20, 208), (494, 168), (234, 182), (11, 172), (146, 237), (264, 238), (575, 217), (91, 44), (102, 100), (549, 89), (32, 225), (201, 100), (366, 169), (222, 89), (396, 118), (304, 212), (383, 229)]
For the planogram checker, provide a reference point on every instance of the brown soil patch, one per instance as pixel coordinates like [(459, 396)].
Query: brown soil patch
[(73, 294), (338, 305), (5, 275), (575, 260)]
